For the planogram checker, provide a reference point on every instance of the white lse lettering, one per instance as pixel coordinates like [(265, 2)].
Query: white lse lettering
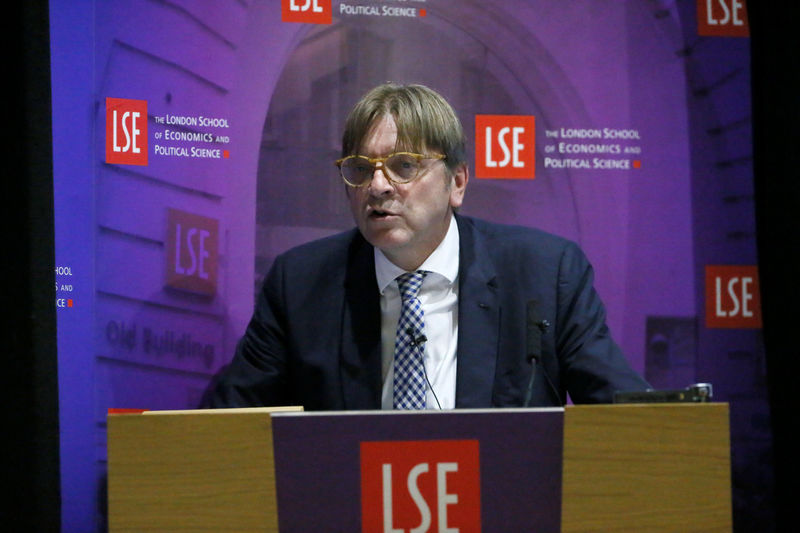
[(443, 498), (728, 13), (739, 300), (130, 136), (309, 4), (509, 155)]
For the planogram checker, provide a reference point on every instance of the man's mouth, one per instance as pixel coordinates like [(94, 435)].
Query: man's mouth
[(380, 213)]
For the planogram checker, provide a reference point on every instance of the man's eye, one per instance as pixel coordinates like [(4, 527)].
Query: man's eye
[(405, 163)]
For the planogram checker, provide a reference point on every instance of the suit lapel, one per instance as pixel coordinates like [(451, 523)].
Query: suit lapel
[(478, 320), (360, 369)]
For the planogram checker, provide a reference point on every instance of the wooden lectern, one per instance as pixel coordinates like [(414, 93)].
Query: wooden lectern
[(645, 467)]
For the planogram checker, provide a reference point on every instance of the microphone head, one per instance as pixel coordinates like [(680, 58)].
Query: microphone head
[(417, 338), (534, 328)]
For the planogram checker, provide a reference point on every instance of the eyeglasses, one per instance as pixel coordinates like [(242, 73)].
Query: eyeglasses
[(399, 167)]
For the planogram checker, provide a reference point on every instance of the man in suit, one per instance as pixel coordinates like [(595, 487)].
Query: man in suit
[(419, 307)]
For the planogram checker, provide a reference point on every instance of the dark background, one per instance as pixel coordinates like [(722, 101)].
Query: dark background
[(31, 470), (775, 43)]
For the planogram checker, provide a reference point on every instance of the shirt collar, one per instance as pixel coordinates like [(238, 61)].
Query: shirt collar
[(443, 260)]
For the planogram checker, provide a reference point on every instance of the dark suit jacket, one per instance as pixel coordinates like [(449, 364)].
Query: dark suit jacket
[(314, 339)]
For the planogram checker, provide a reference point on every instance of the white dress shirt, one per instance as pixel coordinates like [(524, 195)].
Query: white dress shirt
[(439, 299)]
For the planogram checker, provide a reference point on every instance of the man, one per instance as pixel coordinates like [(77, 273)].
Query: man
[(420, 307)]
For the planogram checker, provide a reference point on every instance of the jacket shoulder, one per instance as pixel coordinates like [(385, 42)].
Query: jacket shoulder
[(324, 250), (504, 240)]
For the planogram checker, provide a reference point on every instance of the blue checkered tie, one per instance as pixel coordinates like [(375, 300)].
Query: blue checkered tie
[(409, 369)]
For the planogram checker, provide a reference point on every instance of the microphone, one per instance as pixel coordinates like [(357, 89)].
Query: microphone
[(417, 338), (534, 328)]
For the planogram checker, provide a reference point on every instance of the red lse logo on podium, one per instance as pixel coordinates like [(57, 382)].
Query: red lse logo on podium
[(420, 486)]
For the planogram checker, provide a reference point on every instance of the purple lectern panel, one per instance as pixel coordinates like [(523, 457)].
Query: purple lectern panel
[(475, 470)]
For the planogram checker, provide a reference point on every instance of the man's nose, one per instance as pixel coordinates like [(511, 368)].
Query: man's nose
[(380, 184)]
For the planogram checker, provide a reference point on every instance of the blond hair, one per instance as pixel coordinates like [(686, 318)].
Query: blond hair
[(425, 122)]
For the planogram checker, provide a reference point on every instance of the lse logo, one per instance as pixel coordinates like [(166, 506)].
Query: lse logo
[(192, 252), (308, 11), (417, 486), (722, 18), (732, 297), (126, 131), (504, 146)]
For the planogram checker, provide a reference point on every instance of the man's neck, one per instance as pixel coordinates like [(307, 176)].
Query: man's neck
[(444, 260), (410, 258)]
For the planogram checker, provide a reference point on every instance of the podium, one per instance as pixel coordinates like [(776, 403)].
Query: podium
[(645, 467)]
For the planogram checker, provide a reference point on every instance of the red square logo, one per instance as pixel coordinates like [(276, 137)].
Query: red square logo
[(420, 486), (307, 11), (733, 299), (722, 18), (505, 146), (126, 131), (192, 252)]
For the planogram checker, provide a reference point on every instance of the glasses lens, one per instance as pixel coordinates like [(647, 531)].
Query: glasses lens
[(357, 170), (403, 167)]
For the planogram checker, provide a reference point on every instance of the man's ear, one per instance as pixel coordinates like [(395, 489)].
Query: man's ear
[(459, 186)]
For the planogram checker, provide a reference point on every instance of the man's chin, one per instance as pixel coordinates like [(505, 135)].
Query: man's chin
[(387, 243), (385, 239)]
